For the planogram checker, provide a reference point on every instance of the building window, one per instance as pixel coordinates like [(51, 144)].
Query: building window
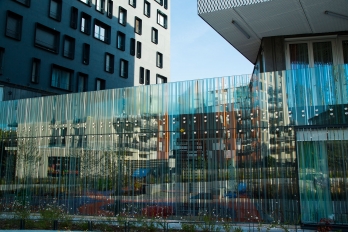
[(100, 5), (2, 51), (102, 31), (82, 80), (69, 47), (35, 70), (85, 23), (122, 16), (165, 4), (100, 84), (159, 2), (159, 60), (73, 17), (23, 2), (55, 9), (121, 40), (61, 77), (147, 8), (138, 49), (147, 77), (110, 8), (161, 19), (87, 2), (137, 25), (123, 68), (141, 75), (345, 51), (154, 35), (14, 25), (160, 79), (133, 3), (132, 46), (47, 38), (85, 53), (109, 62)]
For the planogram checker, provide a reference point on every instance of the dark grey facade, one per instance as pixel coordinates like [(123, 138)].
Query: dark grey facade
[(63, 46)]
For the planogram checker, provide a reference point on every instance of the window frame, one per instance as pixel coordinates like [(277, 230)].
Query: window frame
[(139, 48), (124, 11), (23, 2), (72, 47), (107, 29), (159, 60), (159, 2), (2, 52), (85, 84), (70, 71), (102, 6), (102, 84), (74, 17), (86, 2), (35, 72), (86, 50), (147, 77), (58, 16), (109, 11), (88, 20), (141, 75), (154, 30), (124, 74), (49, 30), (165, 19), (158, 76), (109, 67), (19, 19), (147, 5), (134, 4), (122, 36), (132, 46), (140, 22)]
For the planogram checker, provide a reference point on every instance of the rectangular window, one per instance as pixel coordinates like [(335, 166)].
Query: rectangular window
[(147, 77), (121, 40), (100, 84), (160, 79), (165, 4), (73, 17), (55, 9), (85, 53), (82, 80), (85, 23), (110, 8), (154, 35), (141, 75), (159, 2), (137, 25), (122, 16), (2, 51), (102, 31), (61, 77), (161, 19), (14, 25), (132, 46), (147, 8), (109, 62), (69, 47), (133, 3), (23, 2), (100, 5), (159, 60), (46, 38), (138, 49), (123, 68), (35, 70), (88, 2), (345, 51)]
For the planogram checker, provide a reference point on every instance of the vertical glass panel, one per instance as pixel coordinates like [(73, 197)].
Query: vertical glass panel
[(299, 56)]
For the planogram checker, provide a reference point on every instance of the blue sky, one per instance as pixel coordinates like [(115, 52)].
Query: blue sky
[(197, 50)]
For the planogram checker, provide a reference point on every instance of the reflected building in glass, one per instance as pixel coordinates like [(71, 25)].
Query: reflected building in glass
[(270, 146)]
